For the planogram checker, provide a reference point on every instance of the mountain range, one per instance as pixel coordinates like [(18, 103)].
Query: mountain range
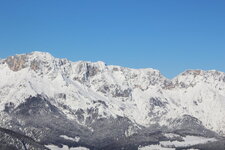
[(53, 103)]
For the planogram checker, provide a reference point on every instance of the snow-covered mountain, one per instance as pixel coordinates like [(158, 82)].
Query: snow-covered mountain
[(42, 96)]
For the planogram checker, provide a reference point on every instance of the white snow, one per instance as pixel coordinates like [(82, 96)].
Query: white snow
[(154, 147), (65, 147), (75, 139), (171, 135), (188, 141), (171, 145), (200, 94)]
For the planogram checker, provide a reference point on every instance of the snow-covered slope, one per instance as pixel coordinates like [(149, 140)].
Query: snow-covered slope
[(144, 96), (201, 94)]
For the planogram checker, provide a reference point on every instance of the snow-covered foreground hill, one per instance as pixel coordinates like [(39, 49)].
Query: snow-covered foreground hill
[(107, 107)]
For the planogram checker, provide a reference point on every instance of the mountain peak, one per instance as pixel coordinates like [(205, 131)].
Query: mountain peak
[(204, 74), (40, 54), (20, 61)]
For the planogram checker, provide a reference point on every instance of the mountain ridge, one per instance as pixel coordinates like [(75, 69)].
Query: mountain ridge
[(102, 63), (91, 97)]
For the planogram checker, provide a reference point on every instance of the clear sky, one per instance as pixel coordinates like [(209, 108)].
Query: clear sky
[(168, 35)]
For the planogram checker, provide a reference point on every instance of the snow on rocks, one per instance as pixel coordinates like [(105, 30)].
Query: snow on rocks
[(75, 139), (65, 147), (173, 144), (187, 141), (142, 95)]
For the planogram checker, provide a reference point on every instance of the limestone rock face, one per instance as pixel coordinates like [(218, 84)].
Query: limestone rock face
[(36, 61), (16, 63), (35, 65)]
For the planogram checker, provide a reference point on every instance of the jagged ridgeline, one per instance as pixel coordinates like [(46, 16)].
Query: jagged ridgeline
[(52, 103)]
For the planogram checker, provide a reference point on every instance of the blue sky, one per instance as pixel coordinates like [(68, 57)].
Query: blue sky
[(169, 35)]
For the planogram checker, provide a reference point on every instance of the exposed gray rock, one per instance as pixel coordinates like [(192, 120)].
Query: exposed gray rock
[(10, 140), (122, 93), (156, 102), (9, 107), (35, 65), (104, 89), (17, 62)]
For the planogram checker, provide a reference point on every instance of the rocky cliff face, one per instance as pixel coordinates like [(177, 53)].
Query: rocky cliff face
[(16, 63), (107, 107)]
